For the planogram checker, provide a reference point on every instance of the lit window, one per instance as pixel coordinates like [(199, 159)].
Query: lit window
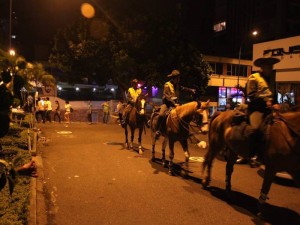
[(220, 26)]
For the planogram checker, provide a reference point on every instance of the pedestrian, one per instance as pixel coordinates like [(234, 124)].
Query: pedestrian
[(57, 111), (40, 110), (89, 112), (261, 94), (120, 108), (67, 112), (29, 103), (170, 99), (48, 109), (106, 111)]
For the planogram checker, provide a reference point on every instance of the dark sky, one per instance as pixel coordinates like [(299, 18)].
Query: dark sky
[(37, 22)]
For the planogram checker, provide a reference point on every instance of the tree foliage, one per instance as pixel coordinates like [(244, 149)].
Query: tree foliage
[(130, 40)]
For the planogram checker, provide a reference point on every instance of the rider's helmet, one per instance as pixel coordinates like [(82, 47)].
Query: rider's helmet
[(134, 82), (174, 73)]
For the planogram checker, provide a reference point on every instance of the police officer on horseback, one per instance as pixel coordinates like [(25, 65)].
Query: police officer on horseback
[(169, 98), (261, 94), (133, 92), (132, 95)]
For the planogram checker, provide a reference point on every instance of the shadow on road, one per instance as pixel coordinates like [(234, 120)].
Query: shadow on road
[(248, 205), (179, 169)]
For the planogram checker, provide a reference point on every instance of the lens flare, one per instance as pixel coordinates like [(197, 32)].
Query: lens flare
[(87, 10)]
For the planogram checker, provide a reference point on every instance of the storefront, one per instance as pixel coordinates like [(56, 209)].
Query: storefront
[(287, 70)]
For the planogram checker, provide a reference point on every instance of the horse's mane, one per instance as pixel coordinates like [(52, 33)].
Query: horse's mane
[(186, 109)]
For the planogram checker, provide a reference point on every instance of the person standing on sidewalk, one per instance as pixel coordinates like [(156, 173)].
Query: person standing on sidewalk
[(106, 109), (48, 109), (57, 111), (68, 112), (89, 112)]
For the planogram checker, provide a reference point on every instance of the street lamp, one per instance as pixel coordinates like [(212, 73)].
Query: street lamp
[(253, 34)]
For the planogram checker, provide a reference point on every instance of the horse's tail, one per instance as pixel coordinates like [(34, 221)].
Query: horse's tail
[(214, 116)]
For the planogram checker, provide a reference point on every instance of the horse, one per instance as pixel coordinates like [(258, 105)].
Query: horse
[(136, 120), (280, 148), (177, 128)]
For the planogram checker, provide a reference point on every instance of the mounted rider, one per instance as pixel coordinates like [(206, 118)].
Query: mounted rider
[(133, 93), (261, 94), (169, 98)]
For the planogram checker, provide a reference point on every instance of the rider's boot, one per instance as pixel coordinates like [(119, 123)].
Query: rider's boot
[(158, 127), (122, 120), (255, 149)]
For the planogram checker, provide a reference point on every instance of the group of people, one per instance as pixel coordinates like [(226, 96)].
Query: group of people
[(44, 110)]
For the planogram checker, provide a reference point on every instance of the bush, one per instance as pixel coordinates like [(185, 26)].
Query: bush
[(14, 207)]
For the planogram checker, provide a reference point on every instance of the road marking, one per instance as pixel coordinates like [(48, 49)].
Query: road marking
[(198, 159), (64, 132)]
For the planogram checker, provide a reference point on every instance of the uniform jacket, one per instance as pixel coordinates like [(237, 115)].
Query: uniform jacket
[(133, 94), (257, 88)]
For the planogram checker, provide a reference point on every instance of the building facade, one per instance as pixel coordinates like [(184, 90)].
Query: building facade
[(287, 70)]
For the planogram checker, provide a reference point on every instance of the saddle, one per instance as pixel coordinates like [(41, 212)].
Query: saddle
[(238, 118), (292, 122)]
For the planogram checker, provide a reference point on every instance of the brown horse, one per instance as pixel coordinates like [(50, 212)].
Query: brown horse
[(177, 128), (281, 148), (136, 120)]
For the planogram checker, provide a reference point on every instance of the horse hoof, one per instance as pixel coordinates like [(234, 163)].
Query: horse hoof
[(153, 159), (171, 173), (205, 184)]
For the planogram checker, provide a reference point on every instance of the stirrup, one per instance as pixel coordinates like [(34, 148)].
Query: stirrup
[(148, 124)]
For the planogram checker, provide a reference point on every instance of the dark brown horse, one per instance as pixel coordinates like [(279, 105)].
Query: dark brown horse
[(177, 128), (136, 120), (280, 149)]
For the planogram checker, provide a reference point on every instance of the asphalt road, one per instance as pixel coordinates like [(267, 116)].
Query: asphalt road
[(86, 176)]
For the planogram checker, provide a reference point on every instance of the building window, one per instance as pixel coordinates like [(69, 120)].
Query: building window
[(216, 67), (220, 26)]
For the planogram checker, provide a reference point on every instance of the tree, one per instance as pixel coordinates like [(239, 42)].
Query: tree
[(137, 43)]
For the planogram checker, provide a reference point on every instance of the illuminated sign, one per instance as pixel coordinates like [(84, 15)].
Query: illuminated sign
[(280, 51)]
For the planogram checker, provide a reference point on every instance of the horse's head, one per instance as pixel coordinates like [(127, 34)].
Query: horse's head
[(141, 104), (201, 116)]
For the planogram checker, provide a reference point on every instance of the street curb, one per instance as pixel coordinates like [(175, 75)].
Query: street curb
[(33, 202)]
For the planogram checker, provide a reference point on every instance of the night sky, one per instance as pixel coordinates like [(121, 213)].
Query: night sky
[(39, 20)]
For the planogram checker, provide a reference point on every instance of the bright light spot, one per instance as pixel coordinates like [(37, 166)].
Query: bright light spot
[(254, 33), (59, 88), (112, 89), (12, 52), (94, 89), (87, 10), (139, 85), (77, 88)]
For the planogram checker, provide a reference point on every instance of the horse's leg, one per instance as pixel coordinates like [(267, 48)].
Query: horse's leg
[(231, 159), (184, 144), (140, 139), (126, 137), (267, 182), (132, 137), (213, 149), (171, 156), (163, 151)]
